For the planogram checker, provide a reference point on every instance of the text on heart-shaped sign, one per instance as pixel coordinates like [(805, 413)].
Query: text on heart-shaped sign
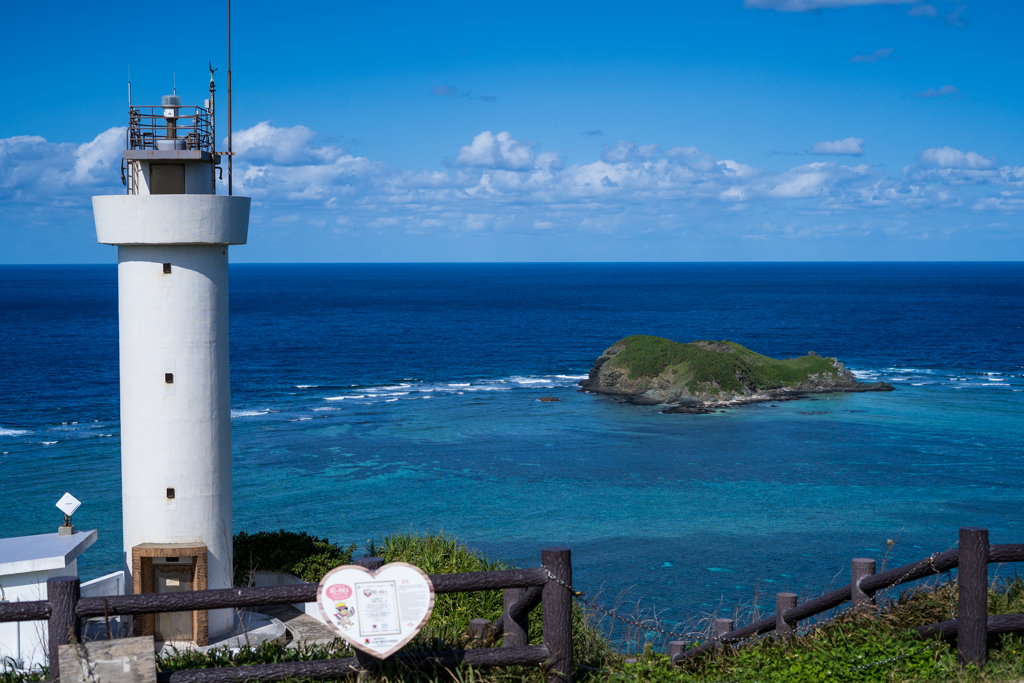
[(377, 612)]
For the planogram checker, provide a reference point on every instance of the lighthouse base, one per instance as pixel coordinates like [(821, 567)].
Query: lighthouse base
[(170, 568)]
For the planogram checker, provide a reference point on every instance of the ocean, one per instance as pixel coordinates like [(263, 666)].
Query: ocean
[(369, 399)]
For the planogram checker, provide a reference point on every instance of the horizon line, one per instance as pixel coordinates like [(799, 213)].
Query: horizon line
[(539, 263)]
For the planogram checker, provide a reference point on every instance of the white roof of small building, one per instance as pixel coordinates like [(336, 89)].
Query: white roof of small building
[(23, 554)]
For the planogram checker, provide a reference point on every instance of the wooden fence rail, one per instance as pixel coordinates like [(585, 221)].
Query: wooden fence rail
[(524, 589), (972, 558), (149, 603)]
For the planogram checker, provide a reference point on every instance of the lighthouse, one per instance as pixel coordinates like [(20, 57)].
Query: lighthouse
[(173, 233)]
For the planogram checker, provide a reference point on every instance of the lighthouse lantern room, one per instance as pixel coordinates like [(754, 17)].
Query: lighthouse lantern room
[(172, 233)]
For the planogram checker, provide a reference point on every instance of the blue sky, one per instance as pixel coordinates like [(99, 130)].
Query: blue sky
[(715, 131)]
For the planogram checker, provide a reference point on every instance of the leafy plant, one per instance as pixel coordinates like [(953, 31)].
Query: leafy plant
[(307, 557)]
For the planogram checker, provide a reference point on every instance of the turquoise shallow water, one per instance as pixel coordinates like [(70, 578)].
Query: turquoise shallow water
[(372, 399)]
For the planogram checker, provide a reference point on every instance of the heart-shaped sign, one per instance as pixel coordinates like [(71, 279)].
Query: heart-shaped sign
[(377, 612)]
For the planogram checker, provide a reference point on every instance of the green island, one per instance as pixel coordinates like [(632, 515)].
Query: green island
[(701, 375)]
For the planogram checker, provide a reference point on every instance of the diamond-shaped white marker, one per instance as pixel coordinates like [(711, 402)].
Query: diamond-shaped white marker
[(68, 504)]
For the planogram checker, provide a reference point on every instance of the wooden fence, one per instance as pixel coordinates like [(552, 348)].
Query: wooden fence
[(971, 628), (523, 589)]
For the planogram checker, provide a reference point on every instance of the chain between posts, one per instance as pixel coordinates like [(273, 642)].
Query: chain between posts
[(578, 596), (891, 659)]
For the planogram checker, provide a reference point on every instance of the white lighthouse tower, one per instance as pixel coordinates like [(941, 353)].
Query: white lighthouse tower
[(172, 233)]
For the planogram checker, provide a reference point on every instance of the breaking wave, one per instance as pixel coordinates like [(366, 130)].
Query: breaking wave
[(416, 389), (249, 413)]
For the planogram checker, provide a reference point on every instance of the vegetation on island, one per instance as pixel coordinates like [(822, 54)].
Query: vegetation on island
[(724, 364), (654, 370)]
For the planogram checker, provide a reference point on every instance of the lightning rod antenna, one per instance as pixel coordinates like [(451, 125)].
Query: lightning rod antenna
[(230, 125), (213, 129), (129, 86)]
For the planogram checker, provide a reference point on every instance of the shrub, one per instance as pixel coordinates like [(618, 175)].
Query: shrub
[(307, 557)]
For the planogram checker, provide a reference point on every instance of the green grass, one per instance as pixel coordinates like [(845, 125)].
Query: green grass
[(447, 628), (703, 368), (854, 647)]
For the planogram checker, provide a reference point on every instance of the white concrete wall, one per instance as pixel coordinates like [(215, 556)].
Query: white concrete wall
[(171, 219), (198, 178), (28, 641), (111, 584), (176, 435), (141, 176), (261, 579)]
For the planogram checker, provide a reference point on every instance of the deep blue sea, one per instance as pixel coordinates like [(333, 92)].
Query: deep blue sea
[(378, 398)]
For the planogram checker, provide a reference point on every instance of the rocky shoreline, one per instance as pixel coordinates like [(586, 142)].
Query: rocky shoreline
[(705, 407)]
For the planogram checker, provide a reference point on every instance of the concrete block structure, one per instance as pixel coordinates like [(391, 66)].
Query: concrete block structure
[(172, 234), (26, 562)]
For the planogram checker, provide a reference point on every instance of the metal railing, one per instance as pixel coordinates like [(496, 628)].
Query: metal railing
[(190, 128)]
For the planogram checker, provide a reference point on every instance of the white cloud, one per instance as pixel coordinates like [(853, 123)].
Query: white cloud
[(629, 151), (881, 53), (496, 151), (498, 183), (1006, 202), (96, 159), (947, 157), (814, 5), (848, 147), (35, 171), (923, 11), (682, 153), (282, 146), (953, 18), (932, 92), (274, 161)]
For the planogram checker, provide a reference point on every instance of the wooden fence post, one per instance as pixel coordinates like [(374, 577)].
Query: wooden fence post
[(478, 630), (860, 567), (557, 618), (783, 602), (972, 580), (62, 592), (723, 626), (371, 563), (675, 648), (517, 633)]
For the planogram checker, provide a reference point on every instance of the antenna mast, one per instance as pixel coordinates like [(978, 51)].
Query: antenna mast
[(213, 130), (230, 155)]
